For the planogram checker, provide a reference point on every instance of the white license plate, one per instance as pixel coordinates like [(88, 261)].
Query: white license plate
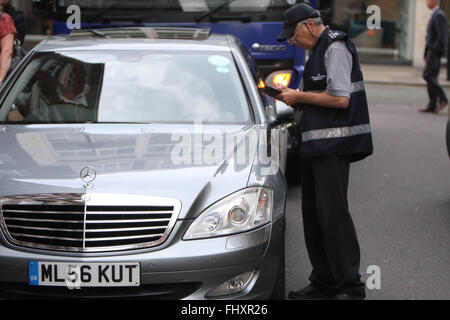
[(76, 275)]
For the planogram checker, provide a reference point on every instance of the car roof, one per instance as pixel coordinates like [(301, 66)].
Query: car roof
[(139, 38)]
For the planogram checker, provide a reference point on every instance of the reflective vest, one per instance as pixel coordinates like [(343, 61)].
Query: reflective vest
[(334, 131)]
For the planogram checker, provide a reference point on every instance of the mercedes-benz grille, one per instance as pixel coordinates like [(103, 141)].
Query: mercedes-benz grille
[(68, 223)]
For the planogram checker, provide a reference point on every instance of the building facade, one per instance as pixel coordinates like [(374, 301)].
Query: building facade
[(401, 38)]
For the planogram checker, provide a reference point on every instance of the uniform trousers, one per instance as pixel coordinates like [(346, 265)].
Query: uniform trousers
[(330, 235)]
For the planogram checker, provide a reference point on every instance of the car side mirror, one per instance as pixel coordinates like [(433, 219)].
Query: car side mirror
[(283, 114)]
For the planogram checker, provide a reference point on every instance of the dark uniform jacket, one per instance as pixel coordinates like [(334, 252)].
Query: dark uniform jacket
[(333, 131)]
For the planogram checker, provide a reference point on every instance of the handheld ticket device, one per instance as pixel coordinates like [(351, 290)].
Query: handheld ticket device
[(263, 88)]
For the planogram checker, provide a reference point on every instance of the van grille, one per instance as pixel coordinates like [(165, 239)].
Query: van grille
[(87, 228)]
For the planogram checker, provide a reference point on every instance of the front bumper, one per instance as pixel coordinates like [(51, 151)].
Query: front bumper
[(179, 270)]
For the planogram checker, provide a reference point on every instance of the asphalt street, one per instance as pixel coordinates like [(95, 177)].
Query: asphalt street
[(399, 200)]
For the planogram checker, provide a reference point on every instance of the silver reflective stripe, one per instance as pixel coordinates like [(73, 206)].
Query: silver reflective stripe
[(358, 86), (331, 133)]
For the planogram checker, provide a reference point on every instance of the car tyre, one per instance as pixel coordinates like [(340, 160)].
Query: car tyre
[(294, 169), (279, 292)]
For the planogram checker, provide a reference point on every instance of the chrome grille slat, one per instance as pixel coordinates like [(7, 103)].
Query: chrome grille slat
[(125, 229), (43, 212), (127, 221), (44, 220), (130, 212), (45, 237), (125, 238), (64, 222), (44, 229)]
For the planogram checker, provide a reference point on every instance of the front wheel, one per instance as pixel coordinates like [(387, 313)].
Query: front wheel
[(279, 292)]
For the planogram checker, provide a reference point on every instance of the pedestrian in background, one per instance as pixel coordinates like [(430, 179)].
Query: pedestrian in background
[(8, 32), (436, 48), (20, 20), (335, 132)]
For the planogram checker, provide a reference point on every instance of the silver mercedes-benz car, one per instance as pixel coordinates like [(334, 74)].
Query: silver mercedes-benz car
[(141, 162)]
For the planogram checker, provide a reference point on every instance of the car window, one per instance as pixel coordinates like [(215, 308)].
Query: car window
[(127, 87), (251, 63)]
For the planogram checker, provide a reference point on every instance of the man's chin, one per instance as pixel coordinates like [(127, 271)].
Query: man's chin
[(304, 46), (301, 46)]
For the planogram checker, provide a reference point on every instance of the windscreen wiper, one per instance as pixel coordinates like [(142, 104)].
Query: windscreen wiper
[(213, 10)]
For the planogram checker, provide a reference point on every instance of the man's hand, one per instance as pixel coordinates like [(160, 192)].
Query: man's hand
[(15, 116), (290, 96)]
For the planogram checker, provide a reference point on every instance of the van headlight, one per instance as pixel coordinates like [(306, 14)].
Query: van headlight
[(279, 79), (242, 211)]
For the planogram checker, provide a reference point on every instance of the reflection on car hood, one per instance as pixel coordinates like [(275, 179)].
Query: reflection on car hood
[(127, 159)]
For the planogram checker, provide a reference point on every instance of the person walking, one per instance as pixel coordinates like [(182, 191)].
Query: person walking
[(8, 32), (436, 48), (335, 132), (19, 18)]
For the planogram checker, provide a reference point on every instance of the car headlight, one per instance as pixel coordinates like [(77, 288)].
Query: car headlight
[(242, 211)]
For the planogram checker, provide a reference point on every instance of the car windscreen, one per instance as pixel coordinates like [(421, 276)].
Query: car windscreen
[(127, 87), (182, 5)]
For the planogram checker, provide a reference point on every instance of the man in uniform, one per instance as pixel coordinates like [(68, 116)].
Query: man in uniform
[(335, 132)]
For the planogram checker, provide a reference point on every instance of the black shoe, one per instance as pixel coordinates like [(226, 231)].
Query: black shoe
[(311, 292)]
